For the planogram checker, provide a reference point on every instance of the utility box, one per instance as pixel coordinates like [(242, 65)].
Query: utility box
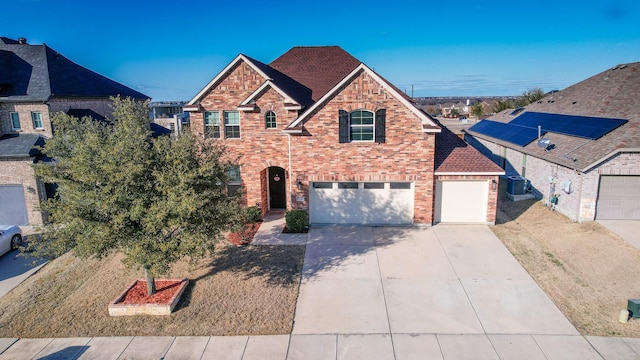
[(515, 185), (634, 308)]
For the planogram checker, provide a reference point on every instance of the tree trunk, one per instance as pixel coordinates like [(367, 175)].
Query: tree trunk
[(151, 282)]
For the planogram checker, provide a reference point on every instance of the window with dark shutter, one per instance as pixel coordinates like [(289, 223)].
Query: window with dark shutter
[(343, 126), (381, 116)]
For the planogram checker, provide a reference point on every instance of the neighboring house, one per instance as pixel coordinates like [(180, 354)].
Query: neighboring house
[(36, 82), (457, 109), (317, 129), (589, 148), (169, 115)]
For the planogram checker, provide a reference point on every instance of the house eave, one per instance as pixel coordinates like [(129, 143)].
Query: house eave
[(222, 73)]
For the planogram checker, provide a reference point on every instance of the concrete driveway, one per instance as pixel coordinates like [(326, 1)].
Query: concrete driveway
[(628, 230), (15, 269), (451, 291)]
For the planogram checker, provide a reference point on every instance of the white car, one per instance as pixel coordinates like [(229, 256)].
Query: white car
[(10, 238)]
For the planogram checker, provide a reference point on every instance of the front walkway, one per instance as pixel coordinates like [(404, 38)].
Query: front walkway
[(447, 292)]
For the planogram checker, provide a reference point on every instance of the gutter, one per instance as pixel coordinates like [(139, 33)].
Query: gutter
[(610, 155)]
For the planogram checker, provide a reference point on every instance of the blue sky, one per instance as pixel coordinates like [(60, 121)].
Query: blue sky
[(170, 49)]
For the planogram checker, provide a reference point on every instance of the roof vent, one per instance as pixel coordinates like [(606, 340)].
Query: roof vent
[(623, 66), (22, 41)]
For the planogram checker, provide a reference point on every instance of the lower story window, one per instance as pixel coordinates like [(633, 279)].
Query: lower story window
[(234, 181)]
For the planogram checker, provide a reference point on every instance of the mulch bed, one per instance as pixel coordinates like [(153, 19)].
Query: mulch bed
[(241, 239), (165, 290)]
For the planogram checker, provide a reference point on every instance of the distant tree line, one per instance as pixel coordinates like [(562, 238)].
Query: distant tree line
[(527, 97)]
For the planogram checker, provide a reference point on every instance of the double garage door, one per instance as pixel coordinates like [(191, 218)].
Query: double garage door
[(371, 203), (618, 198)]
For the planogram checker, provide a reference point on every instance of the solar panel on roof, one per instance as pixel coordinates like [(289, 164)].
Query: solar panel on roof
[(518, 135), (581, 126)]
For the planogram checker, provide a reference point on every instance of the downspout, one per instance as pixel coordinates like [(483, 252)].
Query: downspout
[(290, 174), (581, 176)]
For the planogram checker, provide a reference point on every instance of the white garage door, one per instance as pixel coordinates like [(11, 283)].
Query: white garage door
[(371, 203), (618, 198), (461, 201)]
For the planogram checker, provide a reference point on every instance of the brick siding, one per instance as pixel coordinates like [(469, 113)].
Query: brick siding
[(407, 154)]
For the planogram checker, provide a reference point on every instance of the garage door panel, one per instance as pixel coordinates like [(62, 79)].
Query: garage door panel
[(461, 201), (13, 208), (361, 206), (618, 198)]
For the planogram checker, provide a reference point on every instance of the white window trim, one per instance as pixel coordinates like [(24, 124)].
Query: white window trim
[(33, 122), (224, 120), (275, 120), (19, 124), (373, 126), (204, 120)]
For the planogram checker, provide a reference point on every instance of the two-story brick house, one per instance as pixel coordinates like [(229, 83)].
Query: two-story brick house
[(36, 82), (317, 129)]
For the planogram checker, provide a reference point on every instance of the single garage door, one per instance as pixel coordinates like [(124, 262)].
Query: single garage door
[(461, 201), (371, 203), (618, 198), (13, 208)]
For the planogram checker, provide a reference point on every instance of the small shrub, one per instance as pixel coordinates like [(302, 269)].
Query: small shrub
[(297, 220), (253, 214)]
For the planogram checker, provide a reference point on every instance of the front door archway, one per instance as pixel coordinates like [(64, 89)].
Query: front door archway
[(277, 188)]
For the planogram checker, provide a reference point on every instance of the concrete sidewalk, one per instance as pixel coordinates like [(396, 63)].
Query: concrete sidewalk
[(446, 292)]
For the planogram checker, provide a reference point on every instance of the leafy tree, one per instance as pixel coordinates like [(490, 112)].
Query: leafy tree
[(119, 189), (477, 110), (501, 105), (454, 112)]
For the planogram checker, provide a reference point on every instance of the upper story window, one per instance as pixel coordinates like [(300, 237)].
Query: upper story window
[(270, 120), (36, 118), (231, 124), (211, 125), (362, 126), (15, 120)]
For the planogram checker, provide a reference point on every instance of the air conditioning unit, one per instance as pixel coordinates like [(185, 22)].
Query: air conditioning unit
[(633, 306), (516, 185)]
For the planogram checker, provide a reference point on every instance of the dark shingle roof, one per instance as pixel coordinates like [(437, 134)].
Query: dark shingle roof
[(614, 93), (20, 146), (454, 155), (37, 72), (296, 90), (318, 68)]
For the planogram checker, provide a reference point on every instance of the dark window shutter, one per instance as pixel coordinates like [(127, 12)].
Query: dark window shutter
[(343, 126), (381, 116)]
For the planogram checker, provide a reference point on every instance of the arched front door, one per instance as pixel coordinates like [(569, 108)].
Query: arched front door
[(277, 188)]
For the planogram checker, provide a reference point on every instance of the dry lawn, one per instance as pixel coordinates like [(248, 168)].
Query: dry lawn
[(588, 271), (239, 291)]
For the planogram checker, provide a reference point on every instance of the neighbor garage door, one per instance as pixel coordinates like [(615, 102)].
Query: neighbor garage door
[(618, 198), (461, 201), (13, 208), (361, 203)]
